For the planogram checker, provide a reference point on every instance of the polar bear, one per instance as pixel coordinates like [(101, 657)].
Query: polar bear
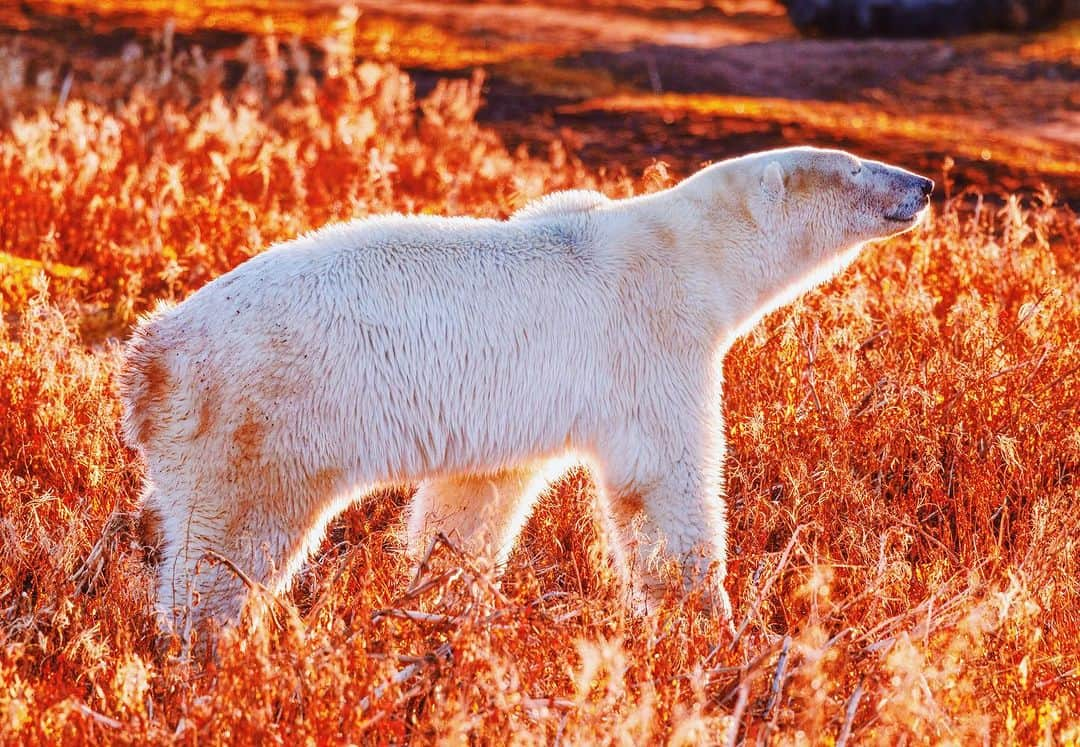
[(470, 356)]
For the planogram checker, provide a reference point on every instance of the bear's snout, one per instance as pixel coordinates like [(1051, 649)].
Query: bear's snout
[(908, 194)]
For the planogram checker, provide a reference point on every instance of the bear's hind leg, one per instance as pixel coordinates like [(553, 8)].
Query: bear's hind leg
[(212, 549), (193, 586), (480, 514)]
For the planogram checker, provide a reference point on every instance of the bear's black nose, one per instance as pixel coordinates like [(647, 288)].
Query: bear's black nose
[(926, 185)]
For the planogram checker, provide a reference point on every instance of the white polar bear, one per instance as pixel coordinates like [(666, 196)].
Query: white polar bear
[(468, 354)]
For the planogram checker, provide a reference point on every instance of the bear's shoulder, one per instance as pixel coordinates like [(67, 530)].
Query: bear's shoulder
[(556, 204)]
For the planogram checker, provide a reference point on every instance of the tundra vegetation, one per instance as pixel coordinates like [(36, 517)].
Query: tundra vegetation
[(904, 458)]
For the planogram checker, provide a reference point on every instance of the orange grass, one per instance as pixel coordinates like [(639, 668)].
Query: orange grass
[(902, 475), (962, 135), (310, 19)]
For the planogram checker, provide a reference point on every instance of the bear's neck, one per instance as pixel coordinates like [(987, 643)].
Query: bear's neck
[(728, 268)]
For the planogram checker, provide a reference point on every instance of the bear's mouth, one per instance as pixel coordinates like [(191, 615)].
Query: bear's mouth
[(900, 218), (906, 214)]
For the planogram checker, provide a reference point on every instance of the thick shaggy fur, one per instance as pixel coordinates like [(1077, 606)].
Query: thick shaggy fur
[(469, 356)]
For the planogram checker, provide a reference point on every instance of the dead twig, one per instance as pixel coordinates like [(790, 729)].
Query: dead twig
[(328, 586), (404, 675), (446, 577), (869, 341), (778, 678), (810, 374), (254, 587), (415, 616), (467, 566), (1036, 360), (98, 718), (422, 566), (872, 633), (732, 737), (217, 557), (760, 598), (849, 715), (474, 573), (931, 539), (748, 672), (120, 525), (1064, 676), (540, 704)]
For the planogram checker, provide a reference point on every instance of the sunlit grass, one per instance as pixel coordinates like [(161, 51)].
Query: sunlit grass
[(1059, 45), (310, 20), (956, 134)]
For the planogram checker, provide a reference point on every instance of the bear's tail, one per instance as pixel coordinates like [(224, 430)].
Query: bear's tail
[(144, 382)]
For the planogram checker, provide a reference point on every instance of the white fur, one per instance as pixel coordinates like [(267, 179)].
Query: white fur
[(468, 355)]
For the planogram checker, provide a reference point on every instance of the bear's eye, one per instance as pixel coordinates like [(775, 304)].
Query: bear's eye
[(856, 170)]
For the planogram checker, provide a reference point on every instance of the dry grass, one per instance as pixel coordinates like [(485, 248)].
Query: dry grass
[(963, 136), (903, 466)]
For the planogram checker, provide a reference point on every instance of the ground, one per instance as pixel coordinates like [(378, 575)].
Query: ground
[(904, 453)]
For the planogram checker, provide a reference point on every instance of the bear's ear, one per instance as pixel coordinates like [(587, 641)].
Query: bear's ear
[(772, 181)]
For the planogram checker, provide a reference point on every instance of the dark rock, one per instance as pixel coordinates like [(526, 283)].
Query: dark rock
[(919, 17)]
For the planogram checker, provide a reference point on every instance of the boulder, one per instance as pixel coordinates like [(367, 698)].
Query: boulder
[(919, 17)]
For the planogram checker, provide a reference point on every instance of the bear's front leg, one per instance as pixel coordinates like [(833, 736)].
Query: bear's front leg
[(666, 514)]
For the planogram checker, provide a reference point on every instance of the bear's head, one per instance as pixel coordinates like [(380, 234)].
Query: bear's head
[(775, 224), (825, 202)]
